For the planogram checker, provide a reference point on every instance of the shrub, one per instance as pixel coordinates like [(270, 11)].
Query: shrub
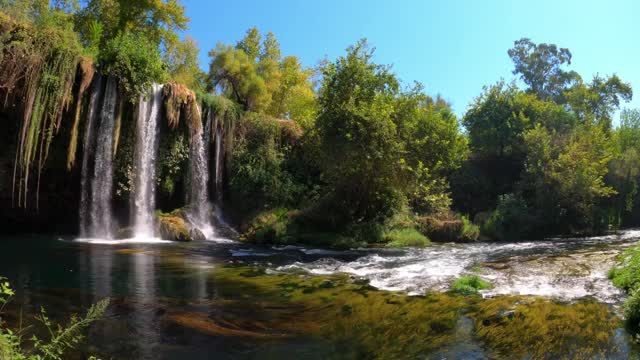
[(627, 275), (510, 220), (60, 339), (632, 311), (448, 227), (469, 284), (405, 237), (135, 61)]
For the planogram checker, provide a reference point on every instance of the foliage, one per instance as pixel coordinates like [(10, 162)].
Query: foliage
[(510, 220), (565, 174), (157, 21), (446, 227), (540, 67), (405, 237), (260, 175), (183, 65), (380, 147), (255, 75), (61, 338), (134, 61), (469, 284), (626, 276)]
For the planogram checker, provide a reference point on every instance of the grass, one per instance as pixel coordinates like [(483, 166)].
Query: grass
[(406, 237), (469, 284)]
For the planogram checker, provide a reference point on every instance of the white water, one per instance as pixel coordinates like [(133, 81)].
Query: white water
[(566, 269), (146, 150), (87, 153), (97, 175), (218, 164), (198, 195)]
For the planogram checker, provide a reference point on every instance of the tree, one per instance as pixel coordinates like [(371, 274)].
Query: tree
[(236, 74), (183, 64), (498, 119), (381, 146), (158, 21), (564, 177), (540, 66), (596, 102)]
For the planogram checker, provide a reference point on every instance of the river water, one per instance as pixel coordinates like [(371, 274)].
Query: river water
[(223, 299)]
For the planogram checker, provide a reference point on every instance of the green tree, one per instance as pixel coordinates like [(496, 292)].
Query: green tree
[(564, 177), (540, 66), (183, 64), (379, 144)]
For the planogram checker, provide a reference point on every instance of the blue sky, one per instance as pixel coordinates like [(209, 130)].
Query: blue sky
[(452, 47)]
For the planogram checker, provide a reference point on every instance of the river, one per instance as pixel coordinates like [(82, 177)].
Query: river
[(227, 300)]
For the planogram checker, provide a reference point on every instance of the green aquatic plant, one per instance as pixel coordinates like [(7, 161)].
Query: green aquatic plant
[(469, 284), (15, 346), (626, 276), (519, 327)]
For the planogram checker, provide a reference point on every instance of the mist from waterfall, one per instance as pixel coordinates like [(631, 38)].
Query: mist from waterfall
[(198, 196), (146, 149), (96, 218)]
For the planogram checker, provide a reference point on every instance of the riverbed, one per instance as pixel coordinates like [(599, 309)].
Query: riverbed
[(227, 300)]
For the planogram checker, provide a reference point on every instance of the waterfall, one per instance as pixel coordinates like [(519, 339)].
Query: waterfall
[(146, 149), (97, 186), (218, 164), (198, 198), (87, 150)]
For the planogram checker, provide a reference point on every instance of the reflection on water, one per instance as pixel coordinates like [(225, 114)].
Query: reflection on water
[(208, 299)]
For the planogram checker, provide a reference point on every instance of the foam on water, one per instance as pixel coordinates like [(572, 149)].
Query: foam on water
[(567, 269), (136, 240)]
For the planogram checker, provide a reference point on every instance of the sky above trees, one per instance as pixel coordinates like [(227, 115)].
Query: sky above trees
[(453, 47)]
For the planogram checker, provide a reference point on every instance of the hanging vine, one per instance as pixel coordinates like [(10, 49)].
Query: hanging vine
[(38, 69)]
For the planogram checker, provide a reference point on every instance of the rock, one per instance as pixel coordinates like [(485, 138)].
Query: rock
[(173, 227), (196, 234), (125, 233)]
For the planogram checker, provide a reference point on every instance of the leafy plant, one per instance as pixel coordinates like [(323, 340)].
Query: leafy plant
[(60, 338)]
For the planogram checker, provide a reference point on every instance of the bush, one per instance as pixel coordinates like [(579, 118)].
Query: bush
[(469, 284), (510, 220), (60, 339), (627, 275), (405, 237), (632, 311), (448, 228), (135, 61)]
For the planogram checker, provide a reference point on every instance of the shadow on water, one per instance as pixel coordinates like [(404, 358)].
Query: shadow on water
[(207, 300)]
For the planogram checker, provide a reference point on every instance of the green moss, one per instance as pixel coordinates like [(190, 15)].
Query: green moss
[(173, 226), (469, 284), (405, 237), (518, 327)]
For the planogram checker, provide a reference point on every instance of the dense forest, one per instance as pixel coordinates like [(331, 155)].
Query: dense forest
[(110, 129), (338, 154)]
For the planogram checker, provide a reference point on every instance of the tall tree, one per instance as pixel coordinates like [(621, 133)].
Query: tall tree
[(540, 66)]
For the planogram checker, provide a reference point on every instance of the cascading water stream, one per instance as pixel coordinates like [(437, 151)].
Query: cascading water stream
[(146, 149), (198, 198), (87, 151), (218, 164), (96, 216)]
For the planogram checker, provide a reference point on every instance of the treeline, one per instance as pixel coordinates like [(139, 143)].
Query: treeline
[(344, 152)]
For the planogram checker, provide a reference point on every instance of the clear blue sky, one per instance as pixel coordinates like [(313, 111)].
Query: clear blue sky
[(452, 47)]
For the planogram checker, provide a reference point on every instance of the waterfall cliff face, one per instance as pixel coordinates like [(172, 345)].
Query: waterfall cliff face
[(96, 216), (146, 149), (198, 196)]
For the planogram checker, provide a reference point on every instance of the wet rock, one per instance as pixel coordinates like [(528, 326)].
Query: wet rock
[(174, 228), (125, 233), (496, 265), (196, 234)]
